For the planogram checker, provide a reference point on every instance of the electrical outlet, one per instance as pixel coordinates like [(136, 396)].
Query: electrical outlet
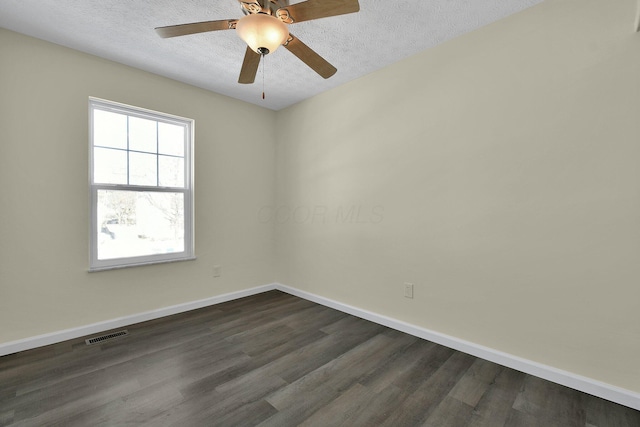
[(408, 290), (217, 271)]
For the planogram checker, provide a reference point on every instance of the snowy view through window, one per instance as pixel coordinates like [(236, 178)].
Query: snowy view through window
[(139, 223)]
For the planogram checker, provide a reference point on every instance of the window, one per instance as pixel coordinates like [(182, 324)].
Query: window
[(141, 186)]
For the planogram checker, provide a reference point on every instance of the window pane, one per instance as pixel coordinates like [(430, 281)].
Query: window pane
[(142, 135), (109, 166), (171, 173), (132, 223), (171, 139), (109, 129), (143, 169)]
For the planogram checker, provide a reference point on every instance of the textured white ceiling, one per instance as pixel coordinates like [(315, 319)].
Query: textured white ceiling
[(383, 32)]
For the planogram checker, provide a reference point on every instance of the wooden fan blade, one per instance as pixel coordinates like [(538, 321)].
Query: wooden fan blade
[(314, 9), (195, 27), (309, 57), (249, 67)]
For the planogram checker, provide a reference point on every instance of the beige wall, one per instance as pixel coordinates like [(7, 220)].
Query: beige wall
[(499, 173), (44, 283)]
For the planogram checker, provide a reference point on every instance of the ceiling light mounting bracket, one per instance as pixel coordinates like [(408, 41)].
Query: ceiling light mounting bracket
[(249, 7)]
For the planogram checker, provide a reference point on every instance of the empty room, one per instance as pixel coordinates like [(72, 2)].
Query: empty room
[(320, 213)]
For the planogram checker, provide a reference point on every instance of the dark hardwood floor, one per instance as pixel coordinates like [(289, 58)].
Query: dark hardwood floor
[(277, 360)]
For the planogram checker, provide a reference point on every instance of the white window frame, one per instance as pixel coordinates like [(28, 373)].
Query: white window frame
[(188, 189)]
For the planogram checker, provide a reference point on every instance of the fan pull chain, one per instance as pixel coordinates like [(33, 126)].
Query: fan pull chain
[(263, 59)]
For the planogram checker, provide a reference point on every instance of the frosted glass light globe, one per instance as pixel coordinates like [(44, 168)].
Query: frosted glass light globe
[(263, 33)]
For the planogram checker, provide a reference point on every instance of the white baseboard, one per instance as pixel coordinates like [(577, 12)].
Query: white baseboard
[(67, 334), (577, 382), (606, 391)]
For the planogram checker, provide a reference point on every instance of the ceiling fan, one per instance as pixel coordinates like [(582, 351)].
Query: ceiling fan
[(265, 27)]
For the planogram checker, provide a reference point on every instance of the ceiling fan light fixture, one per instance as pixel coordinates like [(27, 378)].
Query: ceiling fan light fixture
[(261, 32)]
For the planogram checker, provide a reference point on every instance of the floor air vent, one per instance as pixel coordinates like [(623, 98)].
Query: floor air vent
[(103, 338)]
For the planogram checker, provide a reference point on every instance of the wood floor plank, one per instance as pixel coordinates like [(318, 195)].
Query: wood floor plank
[(205, 408), (521, 419), (276, 360), (284, 355), (312, 316), (185, 375), (55, 405), (417, 408), (258, 301), (601, 413), (6, 417), (399, 368), (301, 362), (306, 404), (496, 403), (449, 412), (475, 382), (302, 398), (130, 409), (550, 402), (195, 411), (287, 351), (412, 376), (342, 372), (250, 414), (270, 335), (69, 391), (346, 405), (383, 404)]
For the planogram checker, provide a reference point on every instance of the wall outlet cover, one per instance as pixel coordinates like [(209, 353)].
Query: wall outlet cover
[(408, 290)]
